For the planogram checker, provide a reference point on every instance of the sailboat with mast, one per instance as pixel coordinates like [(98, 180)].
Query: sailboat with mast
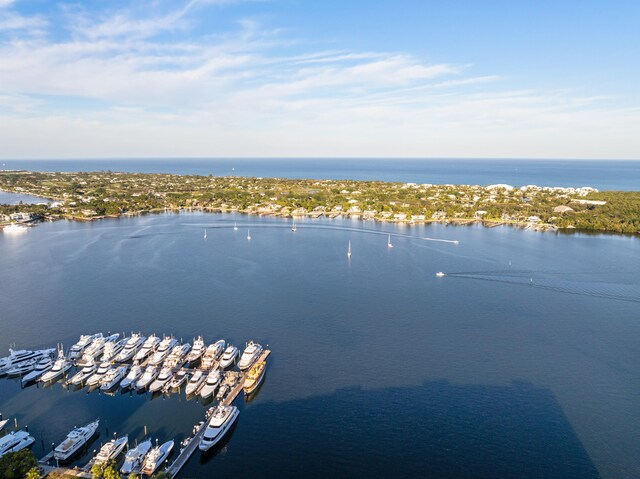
[(205, 233), (389, 244), (349, 250), (293, 228), (248, 234)]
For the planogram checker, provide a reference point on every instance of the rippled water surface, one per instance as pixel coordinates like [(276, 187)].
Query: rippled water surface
[(522, 362)]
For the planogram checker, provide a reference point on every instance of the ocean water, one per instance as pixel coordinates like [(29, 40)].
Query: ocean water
[(521, 362), (604, 175)]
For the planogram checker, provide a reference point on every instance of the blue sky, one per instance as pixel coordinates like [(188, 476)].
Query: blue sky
[(530, 79)]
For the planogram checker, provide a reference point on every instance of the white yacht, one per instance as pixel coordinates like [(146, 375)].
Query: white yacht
[(96, 378), (131, 347), (129, 382), (111, 379), (195, 383), (17, 357), (111, 349), (440, 274), (147, 377), (15, 441), (212, 382), (212, 353), (196, 352), (229, 357), (163, 378), (134, 457), (22, 368), (178, 356), (85, 373), (75, 440), (250, 355), (164, 349), (147, 348), (85, 340), (178, 380), (156, 457), (41, 367), (220, 422), (59, 368), (15, 228), (111, 450)]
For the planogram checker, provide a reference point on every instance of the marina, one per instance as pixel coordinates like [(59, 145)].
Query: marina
[(177, 360)]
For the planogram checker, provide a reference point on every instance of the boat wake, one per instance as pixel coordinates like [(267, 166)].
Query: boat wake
[(560, 282)]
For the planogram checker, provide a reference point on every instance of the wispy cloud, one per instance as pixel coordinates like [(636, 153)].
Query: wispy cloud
[(152, 81)]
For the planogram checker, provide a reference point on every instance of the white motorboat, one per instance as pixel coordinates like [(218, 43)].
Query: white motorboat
[(195, 383), (85, 373), (156, 457), (250, 355), (212, 353), (129, 381), (164, 349), (178, 380), (59, 368), (147, 348), (131, 347), (15, 228), (220, 422), (111, 379), (178, 356), (147, 377), (211, 383), (20, 356), (22, 368), (111, 349), (196, 352), (134, 457), (229, 357), (111, 450), (96, 378), (41, 367), (440, 274), (85, 340), (96, 348), (163, 378), (15, 441), (75, 440)]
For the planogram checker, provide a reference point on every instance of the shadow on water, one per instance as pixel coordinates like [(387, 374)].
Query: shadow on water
[(436, 430)]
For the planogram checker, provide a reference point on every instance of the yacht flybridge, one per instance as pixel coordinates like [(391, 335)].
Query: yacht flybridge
[(75, 440), (229, 357)]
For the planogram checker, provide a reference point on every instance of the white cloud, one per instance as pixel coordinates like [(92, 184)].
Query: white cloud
[(116, 85)]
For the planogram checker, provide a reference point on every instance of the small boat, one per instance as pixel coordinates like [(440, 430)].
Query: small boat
[(41, 367), (196, 353), (15, 441), (75, 440), (129, 382), (389, 244), (164, 349), (205, 233), (195, 383), (147, 377), (219, 424), (85, 373), (248, 234), (15, 228), (235, 226), (113, 377), (96, 378), (229, 357), (163, 378), (178, 380), (156, 457), (59, 368), (440, 274), (134, 457), (212, 353), (211, 383), (147, 348), (254, 377), (131, 347), (293, 228), (111, 450), (250, 355), (349, 250), (85, 341)]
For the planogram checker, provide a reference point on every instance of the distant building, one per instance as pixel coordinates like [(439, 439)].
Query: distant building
[(21, 217), (562, 209)]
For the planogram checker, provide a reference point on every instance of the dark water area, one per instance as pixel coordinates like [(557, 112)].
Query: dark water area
[(521, 362), (604, 175)]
